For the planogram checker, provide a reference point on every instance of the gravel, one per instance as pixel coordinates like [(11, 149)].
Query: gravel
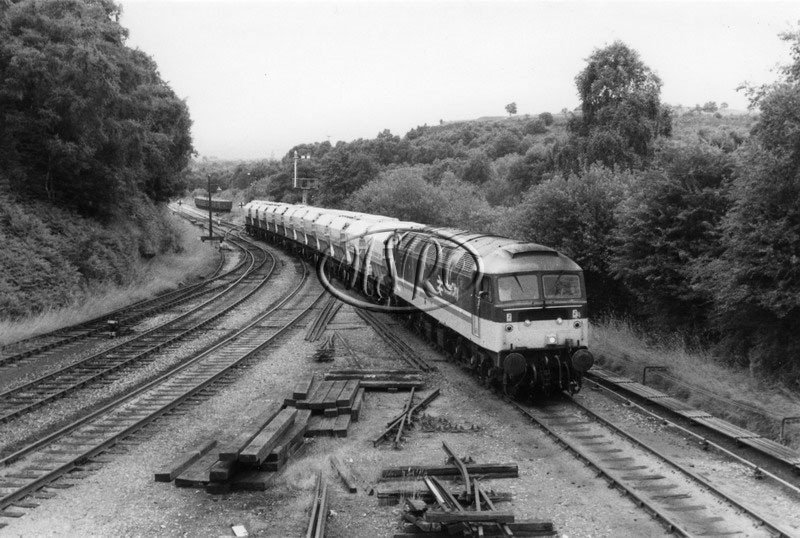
[(733, 478), (122, 499)]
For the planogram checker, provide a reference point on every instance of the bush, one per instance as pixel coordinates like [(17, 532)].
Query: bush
[(577, 216), (507, 142), (52, 256), (547, 118), (404, 194), (534, 127), (667, 225), (755, 281), (477, 170)]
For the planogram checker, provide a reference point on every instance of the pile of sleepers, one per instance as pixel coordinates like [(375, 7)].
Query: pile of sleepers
[(473, 515), (332, 405), (448, 517), (248, 461), (441, 511), (336, 400)]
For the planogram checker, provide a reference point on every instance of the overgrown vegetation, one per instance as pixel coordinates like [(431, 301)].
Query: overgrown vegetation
[(51, 256), (696, 376), (52, 280), (91, 139)]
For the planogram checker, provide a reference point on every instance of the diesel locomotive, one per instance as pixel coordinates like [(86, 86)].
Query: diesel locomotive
[(515, 313)]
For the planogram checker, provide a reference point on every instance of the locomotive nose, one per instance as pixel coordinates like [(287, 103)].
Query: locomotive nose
[(582, 360)]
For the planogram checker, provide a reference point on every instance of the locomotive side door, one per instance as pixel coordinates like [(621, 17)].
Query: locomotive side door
[(482, 292), (476, 308)]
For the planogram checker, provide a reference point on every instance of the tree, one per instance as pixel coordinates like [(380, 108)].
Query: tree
[(534, 127), (756, 279), (620, 105), (511, 108), (547, 118), (477, 170), (577, 216), (401, 193), (343, 171), (85, 121), (404, 194), (668, 225), (504, 143)]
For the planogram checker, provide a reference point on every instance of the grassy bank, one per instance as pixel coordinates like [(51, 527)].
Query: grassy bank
[(698, 378), (189, 259)]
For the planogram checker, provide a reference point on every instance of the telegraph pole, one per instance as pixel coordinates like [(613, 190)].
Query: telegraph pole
[(210, 236), (210, 213), (304, 183)]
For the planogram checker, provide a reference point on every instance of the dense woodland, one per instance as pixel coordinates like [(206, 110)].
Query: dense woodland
[(91, 139), (686, 220)]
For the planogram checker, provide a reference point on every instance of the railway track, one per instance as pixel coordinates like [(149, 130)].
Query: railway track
[(320, 323), (685, 502), (109, 363), (403, 350), (68, 340), (766, 459), (64, 340), (42, 463)]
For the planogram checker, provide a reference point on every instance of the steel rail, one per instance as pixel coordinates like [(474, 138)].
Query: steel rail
[(152, 386), (129, 313), (321, 321), (406, 353), (48, 439), (670, 523), (757, 470), (94, 325), (127, 360), (775, 527)]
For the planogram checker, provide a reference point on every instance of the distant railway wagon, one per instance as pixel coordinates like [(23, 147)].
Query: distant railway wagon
[(513, 312), (201, 202)]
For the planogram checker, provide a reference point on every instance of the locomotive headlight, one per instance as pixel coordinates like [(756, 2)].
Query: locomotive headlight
[(550, 340), (559, 321), (527, 323)]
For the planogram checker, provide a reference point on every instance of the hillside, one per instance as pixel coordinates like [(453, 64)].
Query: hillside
[(57, 267)]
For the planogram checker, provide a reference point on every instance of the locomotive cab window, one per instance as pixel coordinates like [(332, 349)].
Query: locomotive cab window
[(518, 288), (562, 286)]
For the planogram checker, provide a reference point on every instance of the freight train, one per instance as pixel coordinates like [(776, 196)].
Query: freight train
[(515, 313), (219, 205)]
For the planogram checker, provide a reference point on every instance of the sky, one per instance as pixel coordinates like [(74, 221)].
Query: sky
[(262, 76)]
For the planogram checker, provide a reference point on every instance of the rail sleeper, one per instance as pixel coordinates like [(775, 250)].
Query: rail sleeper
[(260, 447)]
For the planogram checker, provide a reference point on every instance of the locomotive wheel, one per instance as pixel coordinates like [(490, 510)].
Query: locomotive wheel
[(458, 350), (510, 388)]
